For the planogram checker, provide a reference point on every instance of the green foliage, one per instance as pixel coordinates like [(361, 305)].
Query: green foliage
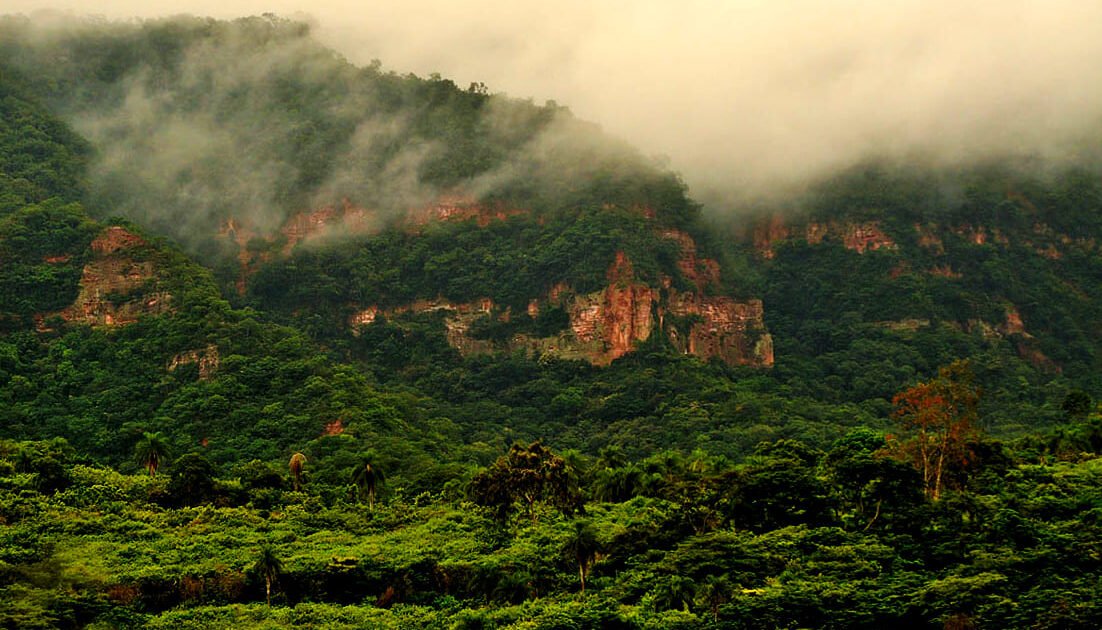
[(151, 452), (40, 157), (524, 476), (712, 495), (310, 131)]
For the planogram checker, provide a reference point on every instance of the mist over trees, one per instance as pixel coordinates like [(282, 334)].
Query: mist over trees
[(924, 452)]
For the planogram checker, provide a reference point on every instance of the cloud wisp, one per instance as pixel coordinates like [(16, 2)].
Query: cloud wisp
[(747, 96)]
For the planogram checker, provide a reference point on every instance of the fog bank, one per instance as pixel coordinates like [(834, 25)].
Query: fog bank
[(748, 95)]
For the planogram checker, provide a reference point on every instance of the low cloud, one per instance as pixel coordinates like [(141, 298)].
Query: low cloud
[(751, 96)]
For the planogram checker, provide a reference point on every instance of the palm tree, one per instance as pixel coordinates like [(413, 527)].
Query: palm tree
[(674, 592), (298, 460), (269, 566), (611, 456), (368, 478), (151, 451), (582, 547), (714, 592), (615, 485)]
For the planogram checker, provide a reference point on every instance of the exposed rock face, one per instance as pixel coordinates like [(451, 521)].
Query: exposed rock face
[(301, 227), (457, 324), (1013, 329), (328, 221), (1013, 324), (115, 239), (240, 234), (208, 359), (867, 236), (720, 327), (458, 208), (700, 271), (607, 324), (862, 237), (116, 286), (346, 219), (769, 232), (858, 237), (979, 234)]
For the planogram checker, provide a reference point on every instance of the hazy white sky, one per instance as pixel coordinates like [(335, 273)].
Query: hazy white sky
[(742, 91)]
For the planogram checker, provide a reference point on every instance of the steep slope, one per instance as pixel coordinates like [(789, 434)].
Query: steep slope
[(108, 332), (484, 254), (590, 285), (999, 261), (316, 150)]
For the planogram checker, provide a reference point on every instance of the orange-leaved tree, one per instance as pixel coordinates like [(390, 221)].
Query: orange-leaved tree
[(939, 418)]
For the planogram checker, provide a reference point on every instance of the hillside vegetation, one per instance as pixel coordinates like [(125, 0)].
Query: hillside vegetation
[(284, 341)]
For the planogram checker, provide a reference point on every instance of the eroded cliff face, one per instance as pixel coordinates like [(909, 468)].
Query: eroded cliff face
[(456, 207), (608, 324), (118, 283), (719, 327), (1013, 328), (311, 226), (254, 247), (328, 221), (860, 237), (207, 360)]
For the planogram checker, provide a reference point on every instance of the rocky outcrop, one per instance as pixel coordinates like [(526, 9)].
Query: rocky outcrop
[(702, 272), (314, 225), (980, 234), (860, 237), (117, 285), (327, 222), (1014, 330), (240, 234), (343, 220), (721, 328), (458, 208), (608, 324), (767, 233), (207, 359), (457, 323)]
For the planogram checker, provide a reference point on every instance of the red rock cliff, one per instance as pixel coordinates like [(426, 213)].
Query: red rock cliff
[(116, 285), (855, 236), (607, 324)]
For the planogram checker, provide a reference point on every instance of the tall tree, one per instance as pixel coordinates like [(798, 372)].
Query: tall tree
[(714, 592), (674, 592), (526, 475), (193, 480), (583, 548), (367, 477), (269, 566), (939, 417), (297, 463), (151, 451)]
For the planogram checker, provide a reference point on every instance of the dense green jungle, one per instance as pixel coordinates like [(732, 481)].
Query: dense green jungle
[(286, 342)]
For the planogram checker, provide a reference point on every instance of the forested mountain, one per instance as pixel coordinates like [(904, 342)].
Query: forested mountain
[(286, 341)]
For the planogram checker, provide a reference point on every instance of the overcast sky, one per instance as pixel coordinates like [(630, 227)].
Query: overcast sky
[(742, 92)]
